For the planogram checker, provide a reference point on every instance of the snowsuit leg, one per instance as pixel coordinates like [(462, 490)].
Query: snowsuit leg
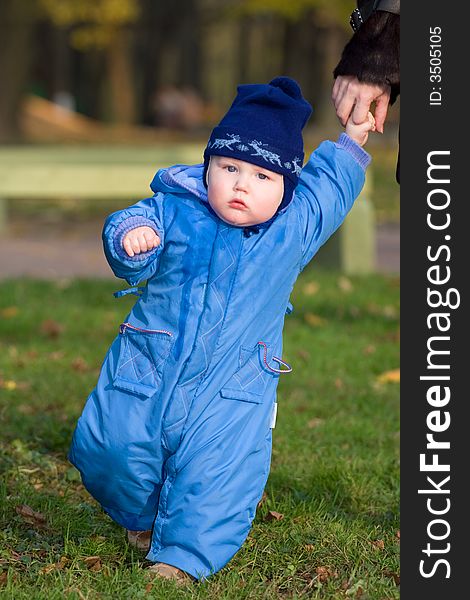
[(117, 448), (214, 482)]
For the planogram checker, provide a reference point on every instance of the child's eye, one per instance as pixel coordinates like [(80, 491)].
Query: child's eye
[(262, 176), (230, 168)]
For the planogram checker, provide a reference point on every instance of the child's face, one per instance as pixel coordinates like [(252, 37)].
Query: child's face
[(241, 193)]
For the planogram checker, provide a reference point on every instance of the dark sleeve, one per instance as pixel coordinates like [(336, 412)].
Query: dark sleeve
[(373, 53)]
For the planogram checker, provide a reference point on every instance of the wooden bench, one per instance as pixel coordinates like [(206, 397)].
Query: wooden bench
[(124, 173)]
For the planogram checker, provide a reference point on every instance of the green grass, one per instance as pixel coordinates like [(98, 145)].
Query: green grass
[(334, 472)]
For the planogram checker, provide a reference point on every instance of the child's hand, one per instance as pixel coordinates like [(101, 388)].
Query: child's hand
[(359, 133), (140, 239)]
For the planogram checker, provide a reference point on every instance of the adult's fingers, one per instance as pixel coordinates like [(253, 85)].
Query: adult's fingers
[(345, 92), (344, 103), (361, 108), (339, 82), (381, 109), (344, 109)]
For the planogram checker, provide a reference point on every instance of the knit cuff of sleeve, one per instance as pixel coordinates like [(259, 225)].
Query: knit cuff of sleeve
[(359, 155), (127, 225)]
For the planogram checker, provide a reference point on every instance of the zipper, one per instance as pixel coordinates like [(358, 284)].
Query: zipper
[(282, 363), (124, 326)]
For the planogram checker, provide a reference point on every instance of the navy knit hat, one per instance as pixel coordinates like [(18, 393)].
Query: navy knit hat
[(264, 127)]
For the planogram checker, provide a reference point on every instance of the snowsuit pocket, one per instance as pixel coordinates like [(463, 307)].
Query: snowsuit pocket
[(249, 382), (142, 355)]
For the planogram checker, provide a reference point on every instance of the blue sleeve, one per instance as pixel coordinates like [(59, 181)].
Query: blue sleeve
[(328, 186), (140, 266)]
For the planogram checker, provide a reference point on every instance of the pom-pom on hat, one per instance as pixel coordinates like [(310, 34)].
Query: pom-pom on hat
[(264, 126)]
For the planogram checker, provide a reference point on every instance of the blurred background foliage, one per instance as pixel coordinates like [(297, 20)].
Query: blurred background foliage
[(162, 64), (149, 72)]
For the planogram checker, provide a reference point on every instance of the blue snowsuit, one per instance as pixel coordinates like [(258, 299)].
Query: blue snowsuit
[(176, 435)]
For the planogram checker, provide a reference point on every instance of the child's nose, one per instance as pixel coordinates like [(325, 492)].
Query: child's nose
[(241, 184)]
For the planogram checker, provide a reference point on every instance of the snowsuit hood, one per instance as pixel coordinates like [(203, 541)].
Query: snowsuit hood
[(180, 179)]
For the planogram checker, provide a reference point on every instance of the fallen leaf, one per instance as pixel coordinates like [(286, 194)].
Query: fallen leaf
[(273, 516), (309, 547), (264, 497), (394, 576), (149, 587), (339, 383), (9, 312), (3, 578), (325, 573), (303, 354), (31, 516), (389, 312), (370, 349), (57, 355), (52, 329), (392, 376), (345, 284), (314, 320), (397, 535), (48, 569), (311, 288), (314, 423), (379, 544), (80, 365), (93, 563), (9, 385)]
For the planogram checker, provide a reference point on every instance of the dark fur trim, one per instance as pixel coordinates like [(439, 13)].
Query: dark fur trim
[(373, 53)]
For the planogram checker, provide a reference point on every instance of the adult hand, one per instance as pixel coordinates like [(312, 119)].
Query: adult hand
[(140, 239), (352, 98)]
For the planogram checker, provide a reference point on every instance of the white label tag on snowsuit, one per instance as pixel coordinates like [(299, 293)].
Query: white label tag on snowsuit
[(273, 416)]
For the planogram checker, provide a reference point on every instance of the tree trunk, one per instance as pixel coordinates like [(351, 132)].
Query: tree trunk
[(16, 29), (121, 81), (330, 42)]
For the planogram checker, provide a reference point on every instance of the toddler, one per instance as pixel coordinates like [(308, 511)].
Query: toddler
[(175, 440)]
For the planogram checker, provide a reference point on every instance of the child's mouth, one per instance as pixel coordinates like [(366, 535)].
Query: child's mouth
[(238, 204)]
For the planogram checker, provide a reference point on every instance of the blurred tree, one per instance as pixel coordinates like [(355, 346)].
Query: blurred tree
[(168, 49), (17, 18), (315, 32), (103, 25), (90, 25), (329, 12), (111, 57)]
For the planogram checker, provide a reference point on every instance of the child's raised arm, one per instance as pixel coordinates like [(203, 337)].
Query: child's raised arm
[(328, 186), (127, 255)]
